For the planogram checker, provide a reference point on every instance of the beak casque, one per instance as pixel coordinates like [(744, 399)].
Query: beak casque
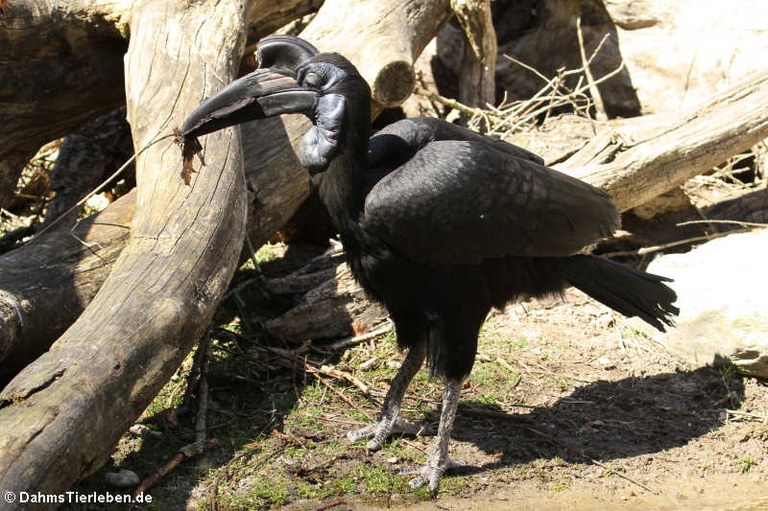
[(269, 91)]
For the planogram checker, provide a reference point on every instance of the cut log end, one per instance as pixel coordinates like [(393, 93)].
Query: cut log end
[(394, 83)]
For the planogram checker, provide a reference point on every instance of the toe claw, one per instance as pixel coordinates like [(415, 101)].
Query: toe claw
[(417, 482), (429, 475), (373, 445), (380, 430)]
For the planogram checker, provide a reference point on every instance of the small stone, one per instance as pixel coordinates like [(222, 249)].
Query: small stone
[(392, 460), (122, 479), (606, 363)]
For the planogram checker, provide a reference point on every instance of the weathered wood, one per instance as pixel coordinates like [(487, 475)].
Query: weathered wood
[(335, 308), (395, 33), (751, 207), (477, 80), (61, 65), (86, 158), (636, 165), (46, 284), (544, 37), (61, 416), (266, 16)]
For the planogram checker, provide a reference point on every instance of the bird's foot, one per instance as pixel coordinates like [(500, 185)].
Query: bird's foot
[(431, 472), (383, 428)]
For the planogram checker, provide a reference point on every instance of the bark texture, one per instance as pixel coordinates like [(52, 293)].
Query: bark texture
[(71, 405), (46, 284), (61, 65)]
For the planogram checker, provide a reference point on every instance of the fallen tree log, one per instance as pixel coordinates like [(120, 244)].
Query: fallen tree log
[(42, 45), (635, 165), (61, 416), (333, 304), (396, 31), (46, 284)]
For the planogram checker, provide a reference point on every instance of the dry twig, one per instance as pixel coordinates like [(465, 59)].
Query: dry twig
[(597, 99), (201, 443), (512, 117)]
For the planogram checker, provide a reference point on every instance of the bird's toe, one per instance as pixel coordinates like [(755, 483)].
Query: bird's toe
[(364, 432), (429, 475), (380, 430)]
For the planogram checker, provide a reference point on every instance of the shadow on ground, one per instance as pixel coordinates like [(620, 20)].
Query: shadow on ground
[(606, 420)]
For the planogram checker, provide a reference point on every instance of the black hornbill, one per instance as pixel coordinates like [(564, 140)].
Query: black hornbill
[(439, 224)]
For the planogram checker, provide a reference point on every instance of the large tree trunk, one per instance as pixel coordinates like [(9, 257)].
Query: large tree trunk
[(61, 416)]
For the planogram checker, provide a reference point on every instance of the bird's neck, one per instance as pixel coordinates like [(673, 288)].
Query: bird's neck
[(342, 188)]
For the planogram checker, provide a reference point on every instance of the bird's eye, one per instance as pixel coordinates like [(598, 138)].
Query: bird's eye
[(312, 79)]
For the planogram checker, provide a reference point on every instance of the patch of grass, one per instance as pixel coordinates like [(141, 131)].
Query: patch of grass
[(375, 481), (489, 398), (265, 254), (745, 463), (453, 484), (267, 492), (396, 448), (343, 485), (170, 396), (306, 419), (314, 394), (334, 448), (235, 326), (561, 484), (356, 415), (521, 343)]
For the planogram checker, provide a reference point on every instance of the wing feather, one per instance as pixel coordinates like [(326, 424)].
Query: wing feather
[(462, 201)]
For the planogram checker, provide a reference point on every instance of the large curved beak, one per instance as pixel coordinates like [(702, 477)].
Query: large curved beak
[(258, 95)]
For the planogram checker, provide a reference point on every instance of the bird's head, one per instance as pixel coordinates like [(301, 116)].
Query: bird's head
[(293, 77)]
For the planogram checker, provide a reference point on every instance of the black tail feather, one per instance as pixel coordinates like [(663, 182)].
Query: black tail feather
[(624, 289)]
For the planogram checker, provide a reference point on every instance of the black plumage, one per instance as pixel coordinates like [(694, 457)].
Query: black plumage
[(439, 224)]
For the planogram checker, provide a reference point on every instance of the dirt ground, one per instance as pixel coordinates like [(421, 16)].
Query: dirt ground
[(568, 408)]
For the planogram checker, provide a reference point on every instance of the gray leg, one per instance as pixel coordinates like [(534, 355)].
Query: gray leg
[(389, 420), (439, 461)]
